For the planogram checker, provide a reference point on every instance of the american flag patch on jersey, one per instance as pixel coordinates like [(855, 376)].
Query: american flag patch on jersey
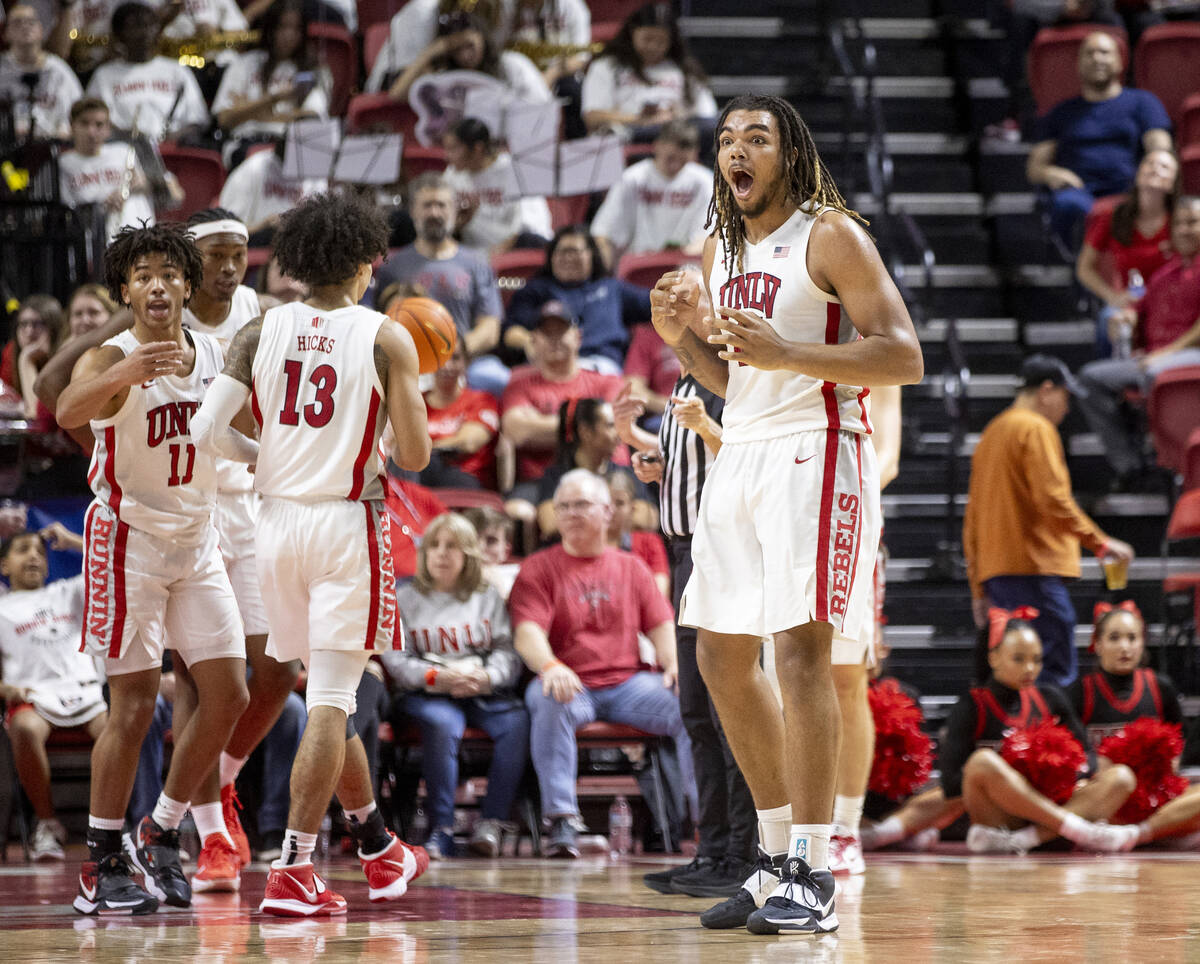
[(208, 381), (782, 250)]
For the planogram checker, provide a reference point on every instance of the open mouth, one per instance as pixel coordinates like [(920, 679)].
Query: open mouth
[(158, 308), (742, 183)]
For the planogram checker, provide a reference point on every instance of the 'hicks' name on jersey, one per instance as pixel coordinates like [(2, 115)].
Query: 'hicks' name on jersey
[(319, 343)]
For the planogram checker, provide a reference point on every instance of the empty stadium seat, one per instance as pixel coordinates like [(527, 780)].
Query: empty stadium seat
[(371, 12), (1189, 164), (514, 268), (370, 111), (568, 210), (1053, 58), (608, 15), (374, 37), (646, 269), (1167, 63), (1174, 412), (418, 160), (200, 173), (337, 50), (1188, 132)]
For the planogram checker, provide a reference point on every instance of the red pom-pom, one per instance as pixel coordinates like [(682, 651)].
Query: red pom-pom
[(1046, 755), (903, 753), (1150, 748)]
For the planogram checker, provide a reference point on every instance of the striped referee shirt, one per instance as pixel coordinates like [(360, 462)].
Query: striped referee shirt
[(686, 461)]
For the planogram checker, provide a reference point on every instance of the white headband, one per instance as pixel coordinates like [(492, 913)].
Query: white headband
[(228, 226)]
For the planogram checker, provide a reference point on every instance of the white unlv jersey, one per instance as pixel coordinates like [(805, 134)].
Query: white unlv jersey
[(144, 464), (776, 284), (319, 404), (231, 476)]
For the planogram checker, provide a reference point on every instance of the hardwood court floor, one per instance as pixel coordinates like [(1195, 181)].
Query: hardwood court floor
[(1061, 908)]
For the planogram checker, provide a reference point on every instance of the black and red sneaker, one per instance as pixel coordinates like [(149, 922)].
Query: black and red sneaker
[(156, 857), (107, 887)]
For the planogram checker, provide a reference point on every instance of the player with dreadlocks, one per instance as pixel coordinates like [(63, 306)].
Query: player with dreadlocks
[(806, 318), (155, 579)]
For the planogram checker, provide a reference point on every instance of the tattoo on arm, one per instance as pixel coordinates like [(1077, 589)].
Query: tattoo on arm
[(239, 360), (382, 363)]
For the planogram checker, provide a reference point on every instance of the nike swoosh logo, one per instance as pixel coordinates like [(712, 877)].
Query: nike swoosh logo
[(312, 895), (124, 903), (802, 461), (88, 892)]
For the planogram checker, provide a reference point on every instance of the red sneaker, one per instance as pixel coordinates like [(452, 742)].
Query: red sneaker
[(298, 891), (845, 855), (230, 805), (218, 867), (389, 871)]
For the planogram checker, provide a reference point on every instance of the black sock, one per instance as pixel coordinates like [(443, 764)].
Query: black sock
[(101, 843), (371, 836)]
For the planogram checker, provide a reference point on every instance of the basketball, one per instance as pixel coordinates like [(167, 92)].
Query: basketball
[(432, 329)]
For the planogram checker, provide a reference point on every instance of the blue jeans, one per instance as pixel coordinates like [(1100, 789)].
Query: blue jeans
[(1055, 622), (640, 701), (1069, 207), (442, 720), (148, 780), (279, 750)]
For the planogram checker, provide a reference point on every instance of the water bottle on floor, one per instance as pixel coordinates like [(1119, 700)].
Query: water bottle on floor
[(620, 827)]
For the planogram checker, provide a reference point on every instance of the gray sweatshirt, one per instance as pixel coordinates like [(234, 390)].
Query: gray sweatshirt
[(439, 628)]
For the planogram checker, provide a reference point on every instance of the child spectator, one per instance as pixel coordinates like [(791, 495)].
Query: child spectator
[(55, 88)]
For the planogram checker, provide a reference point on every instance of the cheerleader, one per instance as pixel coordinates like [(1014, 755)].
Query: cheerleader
[(1007, 814), (1120, 692)]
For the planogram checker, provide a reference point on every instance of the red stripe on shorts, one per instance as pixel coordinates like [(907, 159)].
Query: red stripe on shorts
[(87, 575), (373, 558), (364, 451), (857, 525), (824, 527), (118, 564), (833, 324), (110, 468)]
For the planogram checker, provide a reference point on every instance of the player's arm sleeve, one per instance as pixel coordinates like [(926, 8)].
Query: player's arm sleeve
[(502, 665), (957, 743), (211, 429)]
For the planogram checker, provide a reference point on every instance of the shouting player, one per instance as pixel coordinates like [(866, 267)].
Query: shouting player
[(324, 376), (806, 316), (154, 577)]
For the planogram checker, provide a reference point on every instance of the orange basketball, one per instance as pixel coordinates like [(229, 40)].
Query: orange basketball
[(432, 328)]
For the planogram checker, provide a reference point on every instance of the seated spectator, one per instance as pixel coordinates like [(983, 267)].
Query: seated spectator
[(276, 288), (463, 424), (584, 648), (155, 94), (258, 192), (1166, 323), (464, 42), (458, 669), (54, 87), (458, 277), (562, 28), (626, 492), (47, 683), (1089, 146), (652, 370), (278, 81), (1135, 236), (587, 439), (644, 78), (495, 531), (575, 277), (415, 26), (38, 332), (90, 307), (98, 171), (202, 18), (531, 403), (660, 202), (491, 213)]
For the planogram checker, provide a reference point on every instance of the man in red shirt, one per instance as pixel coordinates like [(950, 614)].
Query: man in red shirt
[(576, 610), (1167, 322)]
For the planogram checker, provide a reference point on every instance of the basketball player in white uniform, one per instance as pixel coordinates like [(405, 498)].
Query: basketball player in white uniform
[(221, 307), (154, 576), (805, 316), (323, 377)]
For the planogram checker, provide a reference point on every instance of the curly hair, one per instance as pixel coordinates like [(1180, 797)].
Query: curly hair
[(169, 238), (327, 237), (808, 180)]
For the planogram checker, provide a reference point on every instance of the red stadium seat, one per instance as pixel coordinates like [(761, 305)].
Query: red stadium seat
[(373, 111), (608, 15), (338, 51), (1189, 123), (568, 210), (646, 269), (374, 37), (200, 172), (371, 12), (1167, 63), (1189, 163), (514, 268), (470, 498), (1053, 56), (1174, 411), (637, 152), (418, 160)]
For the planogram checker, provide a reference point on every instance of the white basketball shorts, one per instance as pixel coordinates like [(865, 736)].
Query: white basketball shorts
[(144, 594), (787, 534), (236, 518), (327, 579)]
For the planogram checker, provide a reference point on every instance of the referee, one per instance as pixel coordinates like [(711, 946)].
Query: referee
[(679, 459)]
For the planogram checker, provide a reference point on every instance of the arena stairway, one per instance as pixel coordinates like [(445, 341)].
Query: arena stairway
[(937, 80)]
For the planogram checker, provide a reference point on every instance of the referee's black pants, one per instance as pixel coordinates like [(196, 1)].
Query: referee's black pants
[(728, 822)]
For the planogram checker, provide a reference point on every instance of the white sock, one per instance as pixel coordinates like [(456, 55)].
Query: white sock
[(1145, 834), (297, 848), (102, 823), (230, 767), (1027, 837), (210, 820), (887, 831), (1076, 829), (773, 828), (168, 813), (360, 815), (847, 814), (810, 842)]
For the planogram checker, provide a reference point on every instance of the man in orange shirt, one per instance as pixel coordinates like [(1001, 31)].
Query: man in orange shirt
[(1022, 529)]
